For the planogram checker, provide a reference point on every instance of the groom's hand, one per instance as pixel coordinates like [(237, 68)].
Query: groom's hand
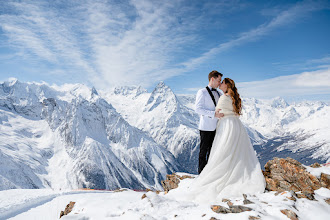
[(218, 114)]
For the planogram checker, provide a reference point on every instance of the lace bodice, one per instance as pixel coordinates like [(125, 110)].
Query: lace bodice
[(225, 103)]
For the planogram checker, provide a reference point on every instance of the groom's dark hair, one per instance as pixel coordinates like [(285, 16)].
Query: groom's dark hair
[(214, 74)]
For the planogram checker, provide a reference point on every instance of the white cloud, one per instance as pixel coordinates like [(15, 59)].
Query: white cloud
[(126, 42), (306, 83), (106, 42)]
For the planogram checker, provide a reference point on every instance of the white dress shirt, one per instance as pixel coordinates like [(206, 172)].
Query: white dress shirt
[(204, 106)]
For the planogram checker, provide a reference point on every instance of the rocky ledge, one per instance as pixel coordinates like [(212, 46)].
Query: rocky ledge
[(290, 175), (281, 175)]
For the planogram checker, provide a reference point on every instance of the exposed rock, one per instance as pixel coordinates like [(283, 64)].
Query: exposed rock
[(213, 218), (292, 198), (246, 201), (315, 165), (306, 195), (143, 196), (231, 209), (325, 180), (67, 209), (225, 200), (253, 217), (290, 214), (150, 190), (230, 204), (288, 174), (327, 200), (220, 209), (120, 190), (172, 181)]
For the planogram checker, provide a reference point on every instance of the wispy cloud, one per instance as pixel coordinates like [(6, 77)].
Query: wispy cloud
[(127, 42), (306, 83), (131, 42), (307, 65), (283, 18)]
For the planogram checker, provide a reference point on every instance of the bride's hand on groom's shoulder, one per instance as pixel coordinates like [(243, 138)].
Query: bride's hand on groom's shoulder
[(218, 114)]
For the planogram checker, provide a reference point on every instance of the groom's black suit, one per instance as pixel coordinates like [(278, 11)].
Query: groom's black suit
[(207, 138)]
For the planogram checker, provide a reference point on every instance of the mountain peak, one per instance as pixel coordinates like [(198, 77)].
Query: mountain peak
[(161, 94), (8, 84), (279, 102), (94, 92), (11, 81), (162, 88), (161, 84), (129, 90)]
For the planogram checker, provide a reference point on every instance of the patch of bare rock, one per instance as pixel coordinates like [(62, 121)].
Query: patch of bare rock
[(67, 209), (288, 174)]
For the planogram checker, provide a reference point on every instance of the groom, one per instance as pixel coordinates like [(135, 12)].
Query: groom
[(206, 101)]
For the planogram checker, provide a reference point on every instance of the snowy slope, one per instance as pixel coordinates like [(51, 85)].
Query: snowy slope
[(42, 204), (299, 130), (160, 113), (69, 137)]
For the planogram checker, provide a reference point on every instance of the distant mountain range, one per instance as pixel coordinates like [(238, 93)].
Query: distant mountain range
[(72, 136)]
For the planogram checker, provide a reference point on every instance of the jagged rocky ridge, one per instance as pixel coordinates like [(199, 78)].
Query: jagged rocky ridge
[(170, 123)]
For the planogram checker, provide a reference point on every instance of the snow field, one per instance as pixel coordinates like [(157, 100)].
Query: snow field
[(47, 204)]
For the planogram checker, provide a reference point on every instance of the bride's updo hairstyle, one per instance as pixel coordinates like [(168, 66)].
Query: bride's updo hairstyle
[(232, 91)]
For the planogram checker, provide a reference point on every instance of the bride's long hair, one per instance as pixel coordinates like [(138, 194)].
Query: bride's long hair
[(232, 91)]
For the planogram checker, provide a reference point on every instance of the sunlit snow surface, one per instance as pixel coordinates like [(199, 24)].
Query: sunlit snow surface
[(68, 137), (25, 204)]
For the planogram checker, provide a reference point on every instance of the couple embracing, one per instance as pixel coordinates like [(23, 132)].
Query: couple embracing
[(228, 166)]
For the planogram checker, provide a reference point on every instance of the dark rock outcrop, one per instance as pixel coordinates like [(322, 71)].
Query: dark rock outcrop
[(231, 209), (290, 214), (325, 180), (67, 209), (172, 181), (288, 174)]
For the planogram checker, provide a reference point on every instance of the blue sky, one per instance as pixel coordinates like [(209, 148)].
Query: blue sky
[(270, 48)]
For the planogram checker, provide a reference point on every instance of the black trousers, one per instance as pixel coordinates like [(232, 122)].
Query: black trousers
[(207, 138)]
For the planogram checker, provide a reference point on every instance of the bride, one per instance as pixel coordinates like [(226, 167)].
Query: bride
[(232, 168)]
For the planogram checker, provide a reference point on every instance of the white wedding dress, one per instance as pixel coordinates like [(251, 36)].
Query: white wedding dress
[(232, 168)]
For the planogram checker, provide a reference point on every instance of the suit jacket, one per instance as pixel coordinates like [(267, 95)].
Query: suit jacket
[(204, 106)]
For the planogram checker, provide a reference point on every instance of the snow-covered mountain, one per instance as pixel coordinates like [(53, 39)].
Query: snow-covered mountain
[(72, 136), (69, 137), (299, 130), (170, 123), (276, 128)]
